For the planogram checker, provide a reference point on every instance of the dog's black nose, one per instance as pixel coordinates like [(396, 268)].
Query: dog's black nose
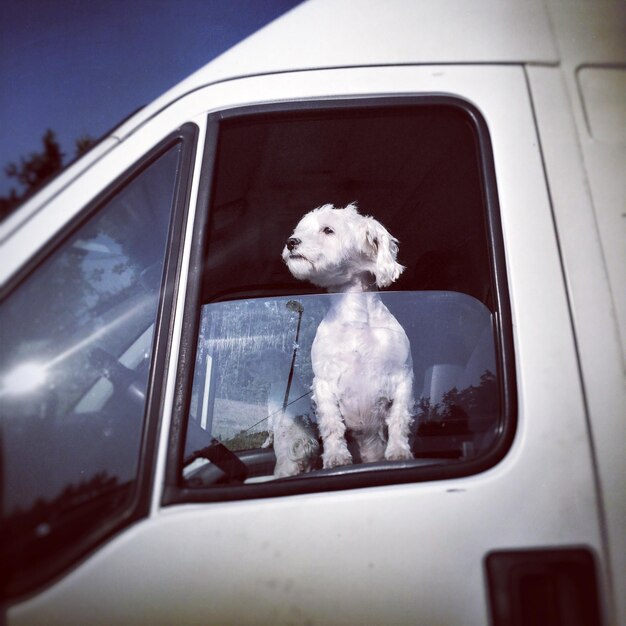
[(292, 243)]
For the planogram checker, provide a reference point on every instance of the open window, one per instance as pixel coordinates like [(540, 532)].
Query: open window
[(423, 168)]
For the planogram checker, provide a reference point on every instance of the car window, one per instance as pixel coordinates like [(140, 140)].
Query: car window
[(76, 340), (253, 370), (412, 183)]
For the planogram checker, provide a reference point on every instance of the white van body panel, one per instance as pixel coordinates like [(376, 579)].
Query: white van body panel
[(360, 555), (591, 301), (584, 147), (408, 553), (593, 66), (349, 33)]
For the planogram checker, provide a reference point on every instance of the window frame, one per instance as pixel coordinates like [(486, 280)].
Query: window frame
[(138, 504), (175, 492)]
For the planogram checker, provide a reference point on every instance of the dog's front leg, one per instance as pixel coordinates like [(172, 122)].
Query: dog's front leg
[(331, 426), (399, 421)]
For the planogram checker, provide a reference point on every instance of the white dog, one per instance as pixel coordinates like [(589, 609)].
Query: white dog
[(361, 356)]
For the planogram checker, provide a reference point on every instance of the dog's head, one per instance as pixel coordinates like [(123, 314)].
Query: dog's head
[(330, 247)]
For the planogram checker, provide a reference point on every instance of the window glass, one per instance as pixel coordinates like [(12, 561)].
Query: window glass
[(419, 170), (76, 340), (253, 370)]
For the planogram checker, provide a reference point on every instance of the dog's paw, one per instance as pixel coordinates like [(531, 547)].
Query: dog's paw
[(337, 459), (398, 452)]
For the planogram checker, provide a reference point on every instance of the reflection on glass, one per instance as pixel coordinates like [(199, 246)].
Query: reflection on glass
[(246, 374), (76, 342)]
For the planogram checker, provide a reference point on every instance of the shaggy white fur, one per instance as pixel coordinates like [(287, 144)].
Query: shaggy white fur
[(361, 356)]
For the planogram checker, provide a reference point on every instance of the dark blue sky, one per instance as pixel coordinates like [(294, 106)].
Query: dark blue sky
[(80, 66)]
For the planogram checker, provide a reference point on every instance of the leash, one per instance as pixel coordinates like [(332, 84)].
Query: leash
[(282, 409)]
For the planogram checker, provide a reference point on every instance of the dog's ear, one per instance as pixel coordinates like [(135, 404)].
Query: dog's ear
[(383, 248)]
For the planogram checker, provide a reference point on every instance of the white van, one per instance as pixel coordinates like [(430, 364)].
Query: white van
[(149, 329)]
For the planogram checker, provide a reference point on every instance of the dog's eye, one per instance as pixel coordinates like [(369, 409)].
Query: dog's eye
[(327, 230)]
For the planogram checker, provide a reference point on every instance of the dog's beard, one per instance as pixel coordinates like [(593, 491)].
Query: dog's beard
[(299, 266), (319, 274)]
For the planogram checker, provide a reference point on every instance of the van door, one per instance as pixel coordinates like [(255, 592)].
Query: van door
[(498, 506)]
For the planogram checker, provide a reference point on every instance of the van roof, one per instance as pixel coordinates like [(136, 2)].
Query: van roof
[(320, 34)]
